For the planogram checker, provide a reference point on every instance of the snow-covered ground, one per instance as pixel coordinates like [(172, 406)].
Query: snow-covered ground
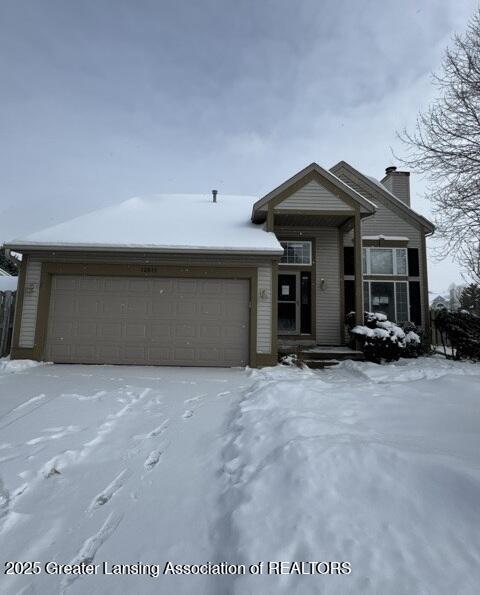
[(378, 466)]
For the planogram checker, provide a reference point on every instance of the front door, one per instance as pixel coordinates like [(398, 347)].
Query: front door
[(289, 303)]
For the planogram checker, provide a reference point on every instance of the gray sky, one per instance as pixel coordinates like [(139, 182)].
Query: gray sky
[(105, 100)]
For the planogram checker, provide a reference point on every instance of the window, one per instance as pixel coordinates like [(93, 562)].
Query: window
[(385, 261), (387, 297), (296, 253)]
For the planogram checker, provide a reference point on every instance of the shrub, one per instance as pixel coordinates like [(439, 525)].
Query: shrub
[(462, 329), (382, 340)]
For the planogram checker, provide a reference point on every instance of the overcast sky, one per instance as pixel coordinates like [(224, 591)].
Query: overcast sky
[(103, 100)]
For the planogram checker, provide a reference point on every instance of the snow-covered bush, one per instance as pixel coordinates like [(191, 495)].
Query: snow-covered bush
[(462, 330), (381, 339), (289, 360)]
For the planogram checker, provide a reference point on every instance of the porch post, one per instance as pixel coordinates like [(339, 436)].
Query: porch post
[(357, 248)]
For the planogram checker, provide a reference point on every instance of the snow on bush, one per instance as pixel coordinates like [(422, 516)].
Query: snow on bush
[(289, 360), (382, 339)]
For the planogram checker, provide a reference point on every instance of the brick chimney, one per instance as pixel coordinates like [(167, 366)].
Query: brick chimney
[(398, 183)]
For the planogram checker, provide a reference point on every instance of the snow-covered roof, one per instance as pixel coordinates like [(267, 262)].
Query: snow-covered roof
[(176, 222), (8, 283)]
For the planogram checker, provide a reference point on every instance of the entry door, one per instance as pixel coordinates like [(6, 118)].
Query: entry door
[(289, 303)]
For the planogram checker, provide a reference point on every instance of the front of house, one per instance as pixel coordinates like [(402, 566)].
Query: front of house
[(187, 280)]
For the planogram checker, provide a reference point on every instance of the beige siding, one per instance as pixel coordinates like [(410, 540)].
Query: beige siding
[(389, 222), (328, 294), (30, 303), (264, 310), (313, 196), (386, 221)]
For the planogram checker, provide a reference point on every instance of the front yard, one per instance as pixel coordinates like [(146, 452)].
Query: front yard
[(378, 466)]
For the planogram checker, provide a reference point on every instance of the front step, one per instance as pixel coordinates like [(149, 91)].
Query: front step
[(319, 364), (339, 355)]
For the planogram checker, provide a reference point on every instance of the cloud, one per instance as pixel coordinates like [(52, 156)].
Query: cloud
[(104, 100)]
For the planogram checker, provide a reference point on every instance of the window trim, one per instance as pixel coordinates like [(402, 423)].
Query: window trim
[(368, 263), (297, 264), (370, 281)]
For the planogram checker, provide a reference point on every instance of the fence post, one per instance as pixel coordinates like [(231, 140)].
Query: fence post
[(7, 306)]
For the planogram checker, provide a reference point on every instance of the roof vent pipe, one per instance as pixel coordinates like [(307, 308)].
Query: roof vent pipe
[(214, 194)]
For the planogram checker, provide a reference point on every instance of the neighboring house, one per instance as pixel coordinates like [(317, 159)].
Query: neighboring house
[(440, 303), (191, 280), (7, 281)]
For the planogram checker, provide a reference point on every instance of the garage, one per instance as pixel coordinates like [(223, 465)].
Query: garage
[(148, 321)]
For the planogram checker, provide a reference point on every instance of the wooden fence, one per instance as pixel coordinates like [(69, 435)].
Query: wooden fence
[(440, 341), (7, 311)]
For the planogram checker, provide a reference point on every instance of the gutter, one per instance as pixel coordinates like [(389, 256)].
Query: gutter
[(143, 249)]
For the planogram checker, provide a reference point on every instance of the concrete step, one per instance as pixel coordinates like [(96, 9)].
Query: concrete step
[(327, 355), (317, 364)]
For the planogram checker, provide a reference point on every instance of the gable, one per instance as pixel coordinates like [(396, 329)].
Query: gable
[(388, 220), (389, 206), (313, 196), (312, 190)]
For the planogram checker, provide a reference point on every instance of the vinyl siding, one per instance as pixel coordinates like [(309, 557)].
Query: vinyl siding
[(264, 309), (313, 196), (30, 304), (389, 222), (328, 298), (386, 221)]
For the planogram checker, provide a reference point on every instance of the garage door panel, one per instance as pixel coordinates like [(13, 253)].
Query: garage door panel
[(86, 328), (113, 306), (162, 308), (115, 284), (90, 284), (185, 308), (109, 352), (137, 306), (135, 352), (65, 306), (160, 331), (87, 304), (184, 331), (109, 330), (140, 285), (149, 321), (136, 331), (65, 283)]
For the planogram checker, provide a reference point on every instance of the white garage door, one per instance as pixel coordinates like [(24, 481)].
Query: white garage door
[(148, 321)]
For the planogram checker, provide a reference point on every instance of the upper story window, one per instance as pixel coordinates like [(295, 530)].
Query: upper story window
[(296, 253), (385, 261)]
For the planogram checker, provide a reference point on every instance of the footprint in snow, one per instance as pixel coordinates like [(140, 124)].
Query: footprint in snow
[(195, 399), (158, 430), (152, 459), (107, 493), (90, 547)]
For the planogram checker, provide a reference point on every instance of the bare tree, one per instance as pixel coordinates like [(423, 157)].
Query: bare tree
[(445, 145)]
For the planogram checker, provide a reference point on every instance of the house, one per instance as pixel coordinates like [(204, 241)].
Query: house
[(219, 281), (7, 281), (440, 303)]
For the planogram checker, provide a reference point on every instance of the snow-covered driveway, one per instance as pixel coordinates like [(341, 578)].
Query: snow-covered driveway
[(378, 466)]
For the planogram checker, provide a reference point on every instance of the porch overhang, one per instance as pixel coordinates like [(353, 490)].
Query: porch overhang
[(344, 219)]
